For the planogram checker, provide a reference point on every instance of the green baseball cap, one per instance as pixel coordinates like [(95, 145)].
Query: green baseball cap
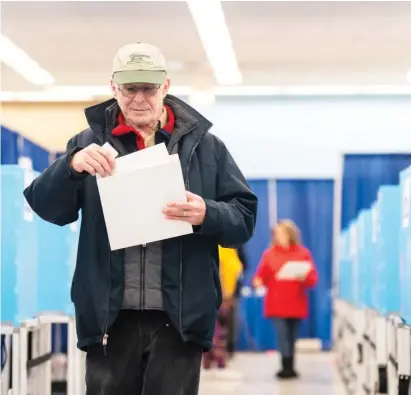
[(139, 63)]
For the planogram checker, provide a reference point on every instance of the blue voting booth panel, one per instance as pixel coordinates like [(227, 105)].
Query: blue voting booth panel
[(387, 268), (364, 235), (18, 247), (354, 289), (343, 266), (374, 256), (405, 246), (57, 250)]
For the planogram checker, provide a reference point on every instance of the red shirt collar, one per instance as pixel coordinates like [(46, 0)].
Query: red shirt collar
[(122, 128)]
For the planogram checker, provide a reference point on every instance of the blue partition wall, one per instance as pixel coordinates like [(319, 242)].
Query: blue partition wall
[(354, 263), (363, 174), (14, 147), (57, 249), (387, 264), (9, 146), (255, 332), (344, 278), (261, 238), (19, 249), (405, 245), (364, 230)]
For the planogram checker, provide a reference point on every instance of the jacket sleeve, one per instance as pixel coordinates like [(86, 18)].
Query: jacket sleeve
[(263, 271), (231, 217), (312, 276), (243, 257), (55, 195)]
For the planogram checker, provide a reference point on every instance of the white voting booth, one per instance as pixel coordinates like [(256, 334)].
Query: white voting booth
[(372, 307)]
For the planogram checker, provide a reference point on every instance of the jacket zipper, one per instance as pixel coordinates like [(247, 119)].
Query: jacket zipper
[(104, 339), (142, 277)]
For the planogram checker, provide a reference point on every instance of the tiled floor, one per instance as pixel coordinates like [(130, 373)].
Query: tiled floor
[(253, 374)]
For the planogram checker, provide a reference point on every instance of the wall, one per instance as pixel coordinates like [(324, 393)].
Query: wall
[(48, 124), (304, 137), (268, 137)]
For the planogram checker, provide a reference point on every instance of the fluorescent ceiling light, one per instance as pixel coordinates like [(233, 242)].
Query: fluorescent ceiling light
[(23, 64), (209, 19), (90, 93)]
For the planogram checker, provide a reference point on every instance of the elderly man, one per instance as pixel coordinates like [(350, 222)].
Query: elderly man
[(146, 314)]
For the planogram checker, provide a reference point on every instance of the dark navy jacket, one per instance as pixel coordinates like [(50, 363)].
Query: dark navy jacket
[(190, 279)]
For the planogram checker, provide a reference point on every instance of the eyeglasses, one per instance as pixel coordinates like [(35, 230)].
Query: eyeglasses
[(130, 90)]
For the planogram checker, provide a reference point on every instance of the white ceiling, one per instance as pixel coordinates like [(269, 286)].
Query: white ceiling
[(276, 43)]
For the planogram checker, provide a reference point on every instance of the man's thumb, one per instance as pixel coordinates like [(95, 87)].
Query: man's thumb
[(190, 196)]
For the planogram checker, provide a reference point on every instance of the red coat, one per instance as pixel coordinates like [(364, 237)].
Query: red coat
[(285, 298)]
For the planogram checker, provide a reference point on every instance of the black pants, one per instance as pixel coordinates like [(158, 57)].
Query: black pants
[(145, 356)]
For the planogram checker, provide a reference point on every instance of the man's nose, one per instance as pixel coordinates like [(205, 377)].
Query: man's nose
[(139, 97)]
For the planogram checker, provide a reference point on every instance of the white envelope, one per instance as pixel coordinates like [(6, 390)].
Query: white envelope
[(134, 197), (294, 269)]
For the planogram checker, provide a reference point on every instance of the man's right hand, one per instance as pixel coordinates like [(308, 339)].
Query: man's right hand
[(93, 159)]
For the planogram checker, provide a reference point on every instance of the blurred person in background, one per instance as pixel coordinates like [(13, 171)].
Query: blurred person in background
[(145, 314), (286, 300), (230, 270), (233, 314)]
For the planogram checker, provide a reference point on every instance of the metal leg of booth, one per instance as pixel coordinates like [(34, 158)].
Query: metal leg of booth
[(24, 365), (392, 341), (359, 366), (73, 367), (47, 320), (382, 355)]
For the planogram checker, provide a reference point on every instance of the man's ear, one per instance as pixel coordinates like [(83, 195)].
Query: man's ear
[(113, 89), (166, 87)]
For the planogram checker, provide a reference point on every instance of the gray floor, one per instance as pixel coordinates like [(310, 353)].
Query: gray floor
[(252, 374)]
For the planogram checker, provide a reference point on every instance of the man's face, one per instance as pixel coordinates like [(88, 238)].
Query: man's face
[(140, 103)]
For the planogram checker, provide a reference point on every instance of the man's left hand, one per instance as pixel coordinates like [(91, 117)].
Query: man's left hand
[(193, 211)]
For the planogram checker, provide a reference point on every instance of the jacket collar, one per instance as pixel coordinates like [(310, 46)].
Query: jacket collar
[(102, 117), (291, 248)]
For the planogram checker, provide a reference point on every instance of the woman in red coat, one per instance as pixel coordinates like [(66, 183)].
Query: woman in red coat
[(286, 300)]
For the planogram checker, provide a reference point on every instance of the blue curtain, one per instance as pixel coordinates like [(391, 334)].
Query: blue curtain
[(13, 146), (309, 203), (9, 146), (39, 156), (363, 174), (261, 238)]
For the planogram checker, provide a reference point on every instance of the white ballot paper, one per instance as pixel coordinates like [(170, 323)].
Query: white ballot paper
[(134, 197), (293, 269)]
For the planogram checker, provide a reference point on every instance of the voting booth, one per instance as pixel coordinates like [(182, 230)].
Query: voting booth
[(387, 266), (374, 264), (19, 259), (38, 261), (405, 246)]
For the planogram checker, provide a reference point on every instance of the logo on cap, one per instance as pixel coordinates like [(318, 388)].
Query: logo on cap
[(139, 58)]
